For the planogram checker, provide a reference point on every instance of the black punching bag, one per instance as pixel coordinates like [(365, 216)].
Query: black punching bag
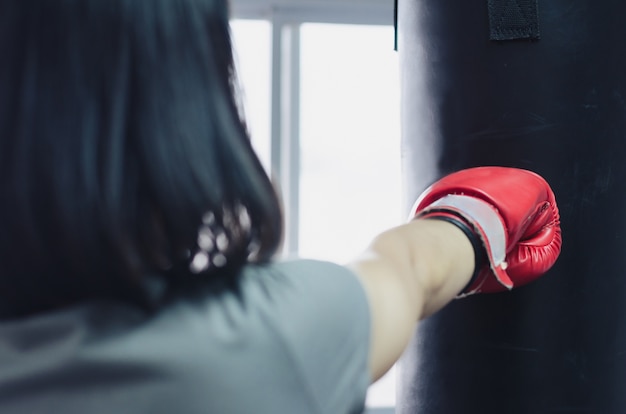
[(541, 85)]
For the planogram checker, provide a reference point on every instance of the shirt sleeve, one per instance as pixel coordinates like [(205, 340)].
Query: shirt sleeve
[(322, 316)]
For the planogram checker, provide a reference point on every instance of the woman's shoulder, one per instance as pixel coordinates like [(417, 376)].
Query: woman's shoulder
[(288, 323)]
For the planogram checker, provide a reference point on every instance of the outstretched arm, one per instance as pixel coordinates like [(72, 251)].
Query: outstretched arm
[(410, 272), (480, 230)]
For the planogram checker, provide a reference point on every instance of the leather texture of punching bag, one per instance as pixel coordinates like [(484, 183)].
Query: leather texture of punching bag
[(556, 106)]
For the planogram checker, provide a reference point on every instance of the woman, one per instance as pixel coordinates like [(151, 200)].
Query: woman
[(139, 231)]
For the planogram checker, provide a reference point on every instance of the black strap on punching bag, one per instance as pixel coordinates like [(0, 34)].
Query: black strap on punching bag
[(513, 19), (395, 25)]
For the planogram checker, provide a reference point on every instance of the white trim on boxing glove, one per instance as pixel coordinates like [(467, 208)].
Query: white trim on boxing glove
[(487, 224)]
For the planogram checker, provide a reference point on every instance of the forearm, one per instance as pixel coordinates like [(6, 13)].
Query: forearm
[(508, 222), (410, 272), (441, 262)]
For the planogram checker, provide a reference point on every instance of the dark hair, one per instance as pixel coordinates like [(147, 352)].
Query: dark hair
[(124, 160)]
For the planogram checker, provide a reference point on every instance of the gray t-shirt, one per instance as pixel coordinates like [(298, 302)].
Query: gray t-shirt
[(296, 341)]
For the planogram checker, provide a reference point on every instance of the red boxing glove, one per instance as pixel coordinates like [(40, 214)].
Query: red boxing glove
[(509, 214)]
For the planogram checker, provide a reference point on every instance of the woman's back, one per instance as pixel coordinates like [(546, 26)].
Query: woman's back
[(272, 349)]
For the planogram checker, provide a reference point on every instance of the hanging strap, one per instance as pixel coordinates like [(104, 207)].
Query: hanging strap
[(395, 25), (513, 19)]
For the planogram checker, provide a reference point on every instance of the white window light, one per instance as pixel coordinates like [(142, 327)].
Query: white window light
[(281, 126)]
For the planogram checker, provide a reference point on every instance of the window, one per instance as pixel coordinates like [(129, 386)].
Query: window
[(349, 139), (322, 102), (252, 40)]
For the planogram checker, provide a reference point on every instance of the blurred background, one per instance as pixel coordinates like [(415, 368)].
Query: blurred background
[(320, 86)]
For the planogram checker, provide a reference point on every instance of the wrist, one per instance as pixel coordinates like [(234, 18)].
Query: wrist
[(485, 229), (480, 255)]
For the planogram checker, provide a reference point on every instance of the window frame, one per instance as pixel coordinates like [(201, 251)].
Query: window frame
[(286, 18), (369, 12)]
